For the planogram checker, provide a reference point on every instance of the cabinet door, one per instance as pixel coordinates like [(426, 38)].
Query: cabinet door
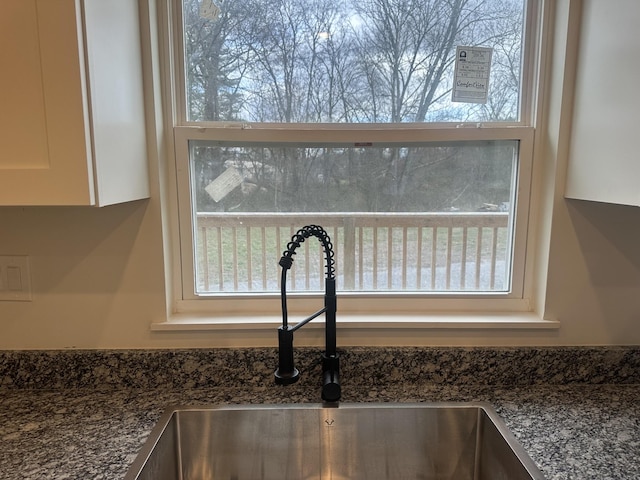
[(72, 129), (604, 159), (116, 97), (44, 131)]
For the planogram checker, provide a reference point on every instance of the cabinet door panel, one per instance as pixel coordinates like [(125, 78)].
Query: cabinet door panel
[(72, 124), (47, 161), (114, 67), (23, 130)]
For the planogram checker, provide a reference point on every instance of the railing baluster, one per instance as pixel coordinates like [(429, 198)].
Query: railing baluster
[(234, 249), (263, 236), (205, 256), (307, 265), (434, 256), (279, 250), (375, 257), (349, 253), (463, 259), (292, 275), (419, 258), (449, 257), (478, 257), (249, 260), (220, 259), (389, 258), (494, 248), (320, 265), (360, 257), (403, 258)]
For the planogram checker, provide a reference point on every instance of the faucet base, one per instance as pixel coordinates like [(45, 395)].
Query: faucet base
[(286, 373), (287, 378)]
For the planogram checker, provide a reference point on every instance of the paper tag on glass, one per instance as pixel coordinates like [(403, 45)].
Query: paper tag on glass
[(471, 77), (224, 184)]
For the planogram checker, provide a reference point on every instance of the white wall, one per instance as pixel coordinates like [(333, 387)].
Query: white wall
[(98, 275)]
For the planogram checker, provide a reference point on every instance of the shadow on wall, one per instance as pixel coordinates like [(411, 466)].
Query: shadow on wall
[(609, 238), (74, 249)]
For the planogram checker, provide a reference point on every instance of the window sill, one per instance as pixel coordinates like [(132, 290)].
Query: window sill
[(189, 322)]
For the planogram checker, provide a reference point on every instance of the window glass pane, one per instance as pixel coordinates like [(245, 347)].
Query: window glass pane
[(353, 61), (434, 217)]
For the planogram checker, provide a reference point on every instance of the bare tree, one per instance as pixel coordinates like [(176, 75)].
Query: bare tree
[(215, 62), (344, 61)]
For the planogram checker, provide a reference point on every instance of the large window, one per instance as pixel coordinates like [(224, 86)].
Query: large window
[(403, 127)]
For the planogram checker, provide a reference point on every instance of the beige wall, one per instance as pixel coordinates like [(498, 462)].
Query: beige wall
[(97, 279), (593, 286), (98, 275)]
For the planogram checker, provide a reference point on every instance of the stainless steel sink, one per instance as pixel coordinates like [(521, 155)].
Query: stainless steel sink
[(353, 441)]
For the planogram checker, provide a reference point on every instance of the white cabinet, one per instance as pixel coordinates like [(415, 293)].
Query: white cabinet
[(72, 129), (604, 158)]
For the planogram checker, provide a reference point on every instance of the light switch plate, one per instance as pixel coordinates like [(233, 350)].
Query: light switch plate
[(15, 278)]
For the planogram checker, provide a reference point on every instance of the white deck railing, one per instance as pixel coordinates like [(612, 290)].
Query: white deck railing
[(373, 252)]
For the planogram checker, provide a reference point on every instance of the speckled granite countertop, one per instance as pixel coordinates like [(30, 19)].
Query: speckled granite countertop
[(85, 414)]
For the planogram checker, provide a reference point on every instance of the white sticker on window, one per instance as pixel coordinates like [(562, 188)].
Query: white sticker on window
[(224, 184), (471, 78)]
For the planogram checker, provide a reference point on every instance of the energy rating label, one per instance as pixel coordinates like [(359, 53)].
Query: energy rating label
[(471, 77)]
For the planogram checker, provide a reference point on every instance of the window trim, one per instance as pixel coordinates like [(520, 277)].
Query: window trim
[(226, 306)]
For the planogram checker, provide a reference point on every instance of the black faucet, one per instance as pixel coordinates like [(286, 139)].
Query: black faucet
[(286, 373)]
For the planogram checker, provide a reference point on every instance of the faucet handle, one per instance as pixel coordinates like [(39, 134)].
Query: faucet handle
[(331, 390)]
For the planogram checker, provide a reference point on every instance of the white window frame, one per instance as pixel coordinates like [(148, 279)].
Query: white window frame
[(186, 301)]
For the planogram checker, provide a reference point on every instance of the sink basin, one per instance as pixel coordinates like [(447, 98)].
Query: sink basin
[(353, 441)]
